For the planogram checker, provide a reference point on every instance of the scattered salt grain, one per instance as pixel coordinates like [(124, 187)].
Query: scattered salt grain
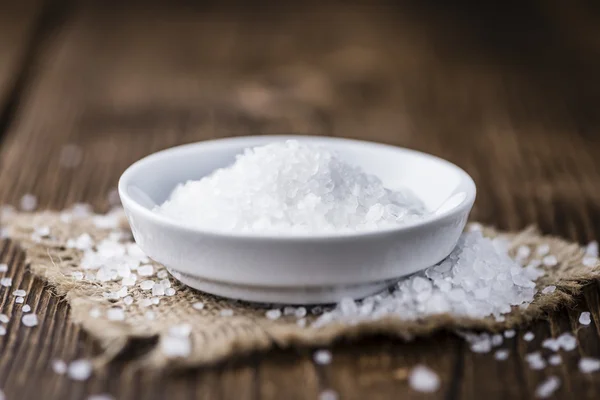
[(175, 346), (145, 302), (6, 282), (166, 283), (501, 355), (158, 290), (80, 370), (198, 305), (28, 202), (77, 275), (542, 250), (566, 341), (423, 379), (528, 337), (585, 318), (328, 394), (555, 359), (535, 360), (59, 367), (592, 249), (550, 261), (169, 292), (129, 280), (19, 293), (273, 314), (3, 267), (290, 187), (226, 312), (588, 365), (322, 357), (162, 274), (128, 300), (2, 330), (590, 261), (115, 314), (497, 340), (147, 285), (4, 318), (155, 300), (146, 270), (523, 252), (510, 333), (19, 300), (26, 308), (549, 289), (547, 388)]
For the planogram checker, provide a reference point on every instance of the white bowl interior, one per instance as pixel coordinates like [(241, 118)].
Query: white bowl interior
[(439, 184)]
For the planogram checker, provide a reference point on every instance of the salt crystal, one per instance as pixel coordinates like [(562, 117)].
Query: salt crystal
[(175, 346), (547, 388), (155, 300), (226, 313), (3, 267), (566, 341), (300, 312), (584, 318), (181, 330), (549, 289), (166, 283), (26, 308), (322, 357), (77, 275), (501, 355), (20, 293), (590, 261), (128, 300), (147, 285), (162, 274), (588, 365), (2, 330), (592, 249), (158, 290), (535, 361), (542, 250), (523, 252), (146, 270), (328, 394), (19, 300), (6, 282), (555, 359), (273, 314), (510, 333), (423, 379), (59, 367), (145, 302), (169, 291), (528, 337), (497, 340), (80, 370), (291, 187), (4, 318), (550, 261), (28, 202), (198, 305), (130, 280), (115, 314)]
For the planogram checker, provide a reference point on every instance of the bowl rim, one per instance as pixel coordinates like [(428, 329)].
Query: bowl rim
[(129, 203)]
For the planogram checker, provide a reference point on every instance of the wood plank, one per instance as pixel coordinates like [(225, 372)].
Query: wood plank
[(123, 82)]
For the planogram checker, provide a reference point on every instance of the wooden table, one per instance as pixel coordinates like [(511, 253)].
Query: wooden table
[(511, 94)]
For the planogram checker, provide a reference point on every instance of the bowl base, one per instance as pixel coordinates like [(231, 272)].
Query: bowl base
[(304, 295)]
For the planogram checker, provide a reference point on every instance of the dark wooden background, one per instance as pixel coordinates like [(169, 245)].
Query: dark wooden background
[(510, 92)]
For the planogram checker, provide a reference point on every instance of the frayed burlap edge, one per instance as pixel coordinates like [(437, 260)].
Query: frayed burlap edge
[(215, 337)]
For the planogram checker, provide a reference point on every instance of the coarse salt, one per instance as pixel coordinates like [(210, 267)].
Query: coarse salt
[(587, 365), (59, 367), (29, 320), (80, 370), (423, 379), (585, 318), (322, 357), (528, 337), (290, 187), (547, 387)]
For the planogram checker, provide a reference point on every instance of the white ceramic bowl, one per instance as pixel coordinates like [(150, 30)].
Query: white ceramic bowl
[(302, 269)]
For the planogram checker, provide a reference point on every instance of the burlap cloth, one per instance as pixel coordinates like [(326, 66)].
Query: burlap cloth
[(215, 337)]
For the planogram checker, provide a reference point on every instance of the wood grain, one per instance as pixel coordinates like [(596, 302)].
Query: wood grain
[(514, 107)]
